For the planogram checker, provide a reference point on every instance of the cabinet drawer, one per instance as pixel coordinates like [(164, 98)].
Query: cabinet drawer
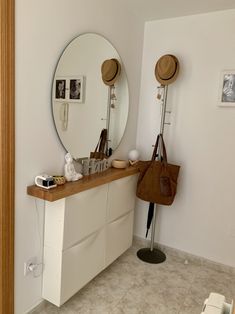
[(75, 267), (121, 197), (70, 220), (85, 213), (119, 237)]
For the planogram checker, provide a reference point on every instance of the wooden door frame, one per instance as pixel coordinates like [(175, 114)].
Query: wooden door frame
[(7, 154)]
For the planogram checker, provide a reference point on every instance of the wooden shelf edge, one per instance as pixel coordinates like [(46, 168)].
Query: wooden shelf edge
[(86, 183)]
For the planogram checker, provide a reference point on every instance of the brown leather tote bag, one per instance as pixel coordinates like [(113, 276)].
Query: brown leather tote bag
[(158, 180), (99, 152)]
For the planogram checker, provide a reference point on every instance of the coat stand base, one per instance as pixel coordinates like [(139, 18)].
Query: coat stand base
[(154, 256)]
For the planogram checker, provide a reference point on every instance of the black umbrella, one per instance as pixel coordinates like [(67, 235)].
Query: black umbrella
[(150, 217), (151, 206)]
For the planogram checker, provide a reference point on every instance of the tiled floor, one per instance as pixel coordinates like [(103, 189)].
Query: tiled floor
[(130, 286)]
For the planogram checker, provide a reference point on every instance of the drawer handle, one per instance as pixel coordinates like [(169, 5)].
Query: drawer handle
[(123, 181), (87, 241), (121, 219), (89, 193)]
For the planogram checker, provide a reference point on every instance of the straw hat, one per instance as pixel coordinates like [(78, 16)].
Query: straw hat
[(167, 69), (110, 71)]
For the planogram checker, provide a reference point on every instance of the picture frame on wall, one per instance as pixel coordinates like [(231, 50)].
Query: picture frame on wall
[(70, 89), (227, 89)]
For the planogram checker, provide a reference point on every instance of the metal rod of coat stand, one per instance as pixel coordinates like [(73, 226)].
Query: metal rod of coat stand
[(163, 117), (153, 255)]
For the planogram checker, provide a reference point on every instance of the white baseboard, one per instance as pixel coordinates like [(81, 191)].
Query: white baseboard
[(39, 307), (185, 255)]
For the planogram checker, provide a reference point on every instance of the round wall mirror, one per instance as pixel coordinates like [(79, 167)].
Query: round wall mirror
[(82, 104)]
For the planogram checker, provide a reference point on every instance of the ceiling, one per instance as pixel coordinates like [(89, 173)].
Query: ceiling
[(148, 10)]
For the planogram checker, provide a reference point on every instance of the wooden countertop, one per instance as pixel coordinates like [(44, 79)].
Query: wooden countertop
[(87, 182)]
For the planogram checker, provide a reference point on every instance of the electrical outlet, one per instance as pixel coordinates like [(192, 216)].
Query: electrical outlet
[(30, 262)]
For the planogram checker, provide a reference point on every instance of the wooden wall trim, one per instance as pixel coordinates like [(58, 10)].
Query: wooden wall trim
[(7, 154)]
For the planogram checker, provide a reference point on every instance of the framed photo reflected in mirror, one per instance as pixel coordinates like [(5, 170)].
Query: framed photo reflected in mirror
[(70, 89), (76, 89), (60, 89)]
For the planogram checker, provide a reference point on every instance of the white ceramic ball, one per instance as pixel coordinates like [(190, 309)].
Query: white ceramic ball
[(133, 155)]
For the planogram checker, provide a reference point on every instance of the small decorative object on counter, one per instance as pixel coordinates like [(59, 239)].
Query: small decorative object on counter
[(119, 163), (93, 165), (59, 180), (86, 166), (69, 170), (45, 181), (133, 156)]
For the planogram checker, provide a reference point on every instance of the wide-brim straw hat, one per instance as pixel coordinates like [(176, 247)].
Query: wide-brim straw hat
[(110, 71), (167, 69)]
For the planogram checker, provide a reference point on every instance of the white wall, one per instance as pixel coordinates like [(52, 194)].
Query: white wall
[(201, 137), (43, 29)]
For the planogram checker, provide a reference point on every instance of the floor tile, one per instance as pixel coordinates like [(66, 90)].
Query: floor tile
[(131, 286)]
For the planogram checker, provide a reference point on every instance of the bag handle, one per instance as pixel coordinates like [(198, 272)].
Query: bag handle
[(103, 141), (163, 147), (154, 155), (156, 147), (99, 142)]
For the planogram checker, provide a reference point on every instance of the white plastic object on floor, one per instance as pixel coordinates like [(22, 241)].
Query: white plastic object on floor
[(216, 304)]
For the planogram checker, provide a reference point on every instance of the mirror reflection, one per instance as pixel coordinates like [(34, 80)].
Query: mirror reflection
[(89, 94)]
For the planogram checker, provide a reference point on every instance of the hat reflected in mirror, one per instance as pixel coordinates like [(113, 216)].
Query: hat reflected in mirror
[(110, 71)]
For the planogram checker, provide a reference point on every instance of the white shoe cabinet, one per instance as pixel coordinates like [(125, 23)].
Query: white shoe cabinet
[(84, 233)]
